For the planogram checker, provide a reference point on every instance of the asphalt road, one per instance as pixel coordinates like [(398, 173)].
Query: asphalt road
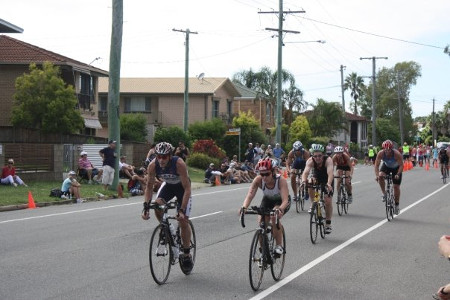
[(99, 250)]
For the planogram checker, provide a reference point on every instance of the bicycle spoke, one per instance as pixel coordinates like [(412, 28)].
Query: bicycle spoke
[(256, 264), (160, 255)]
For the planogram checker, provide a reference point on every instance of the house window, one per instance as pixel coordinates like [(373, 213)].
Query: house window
[(103, 105), (215, 109), (137, 104), (229, 107), (85, 84)]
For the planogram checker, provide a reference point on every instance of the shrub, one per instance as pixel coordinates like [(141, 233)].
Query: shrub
[(209, 148), (201, 160), (172, 135)]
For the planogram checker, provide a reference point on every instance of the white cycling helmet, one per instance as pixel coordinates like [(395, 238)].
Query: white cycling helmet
[(297, 145), (338, 149)]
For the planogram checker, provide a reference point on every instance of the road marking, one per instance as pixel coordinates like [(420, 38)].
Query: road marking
[(326, 255)]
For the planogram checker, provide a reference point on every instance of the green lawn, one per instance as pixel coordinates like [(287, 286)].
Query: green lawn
[(40, 190)]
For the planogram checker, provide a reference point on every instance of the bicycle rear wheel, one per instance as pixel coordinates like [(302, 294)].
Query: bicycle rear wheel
[(340, 200), (160, 254), (313, 223), (256, 264), (193, 251), (277, 265)]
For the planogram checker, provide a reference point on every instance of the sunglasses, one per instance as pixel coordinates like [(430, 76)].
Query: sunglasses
[(162, 156), (264, 174), (317, 156)]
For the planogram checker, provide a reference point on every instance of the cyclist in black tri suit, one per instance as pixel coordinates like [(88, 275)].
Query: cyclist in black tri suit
[(172, 171), (321, 167), (443, 156), (296, 161)]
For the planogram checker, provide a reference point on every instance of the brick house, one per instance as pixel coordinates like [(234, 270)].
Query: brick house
[(161, 100), (15, 58), (261, 108), (357, 131)]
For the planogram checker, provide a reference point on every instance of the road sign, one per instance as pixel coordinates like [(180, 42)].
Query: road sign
[(232, 133)]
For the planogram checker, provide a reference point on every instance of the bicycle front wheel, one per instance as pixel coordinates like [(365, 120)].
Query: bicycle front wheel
[(256, 263), (160, 254), (321, 218), (313, 223), (389, 206), (302, 198), (339, 203), (278, 260), (345, 202), (193, 251)]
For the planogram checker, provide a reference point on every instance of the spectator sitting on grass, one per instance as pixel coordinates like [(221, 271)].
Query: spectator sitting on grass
[(71, 186)]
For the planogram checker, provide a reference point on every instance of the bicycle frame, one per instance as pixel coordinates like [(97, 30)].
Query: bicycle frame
[(342, 195), (317, 218)]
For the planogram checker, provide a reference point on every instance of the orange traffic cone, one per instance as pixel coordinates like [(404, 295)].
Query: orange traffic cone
[(31, 204), (435, 164), (217, 182), (427, 166), (285, 175), (405, 166)]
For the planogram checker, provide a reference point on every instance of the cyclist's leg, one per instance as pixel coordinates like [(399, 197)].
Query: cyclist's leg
[(293, 176)]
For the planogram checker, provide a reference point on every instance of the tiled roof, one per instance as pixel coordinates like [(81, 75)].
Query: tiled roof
[(170, 85), (246, 92), (353, 117), (13, 51)]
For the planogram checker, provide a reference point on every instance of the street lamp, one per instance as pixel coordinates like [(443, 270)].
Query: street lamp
[(302, 42)]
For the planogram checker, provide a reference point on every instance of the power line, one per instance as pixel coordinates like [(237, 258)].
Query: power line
[(373, 34)]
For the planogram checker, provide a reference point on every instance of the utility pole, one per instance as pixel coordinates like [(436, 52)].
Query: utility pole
[(343, 100), (114, 83), (186, 78), (434, 127), (374, 135), (400, 110), (280, 62)]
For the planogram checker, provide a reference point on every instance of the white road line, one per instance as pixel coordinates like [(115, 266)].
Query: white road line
[(321, 258)]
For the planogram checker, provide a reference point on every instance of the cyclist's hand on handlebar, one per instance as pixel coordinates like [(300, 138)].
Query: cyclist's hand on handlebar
[(145, 212), (376, 178), (242, 210)]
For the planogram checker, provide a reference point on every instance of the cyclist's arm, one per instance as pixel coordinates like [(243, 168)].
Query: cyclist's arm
[(349, 164), (377, 163), (308, 166), (150, 182), (330, 167), (289, 161), (185, 182), (399, 159), (284, 194), (252, 191)]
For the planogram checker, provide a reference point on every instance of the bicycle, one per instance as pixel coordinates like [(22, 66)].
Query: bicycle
[(301, 191), (166, 245), (262, 253), (389, 203), (317, 217), (342, 196)]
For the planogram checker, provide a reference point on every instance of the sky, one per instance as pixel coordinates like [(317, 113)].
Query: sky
[(230, 36)]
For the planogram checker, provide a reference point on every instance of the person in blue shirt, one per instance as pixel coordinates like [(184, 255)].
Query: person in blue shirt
[(71, 186), (278, 153)]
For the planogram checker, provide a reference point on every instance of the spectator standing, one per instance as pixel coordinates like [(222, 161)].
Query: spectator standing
[(9, 175), (108, 155), (71, 186), (86, 168), (278, 153), (249, 153), (258, 154), (182, 151)]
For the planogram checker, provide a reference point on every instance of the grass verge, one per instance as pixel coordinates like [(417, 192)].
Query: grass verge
[(40, 190)]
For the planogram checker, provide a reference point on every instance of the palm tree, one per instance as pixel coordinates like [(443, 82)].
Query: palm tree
[(447, 50), (355, 84), (293, 100)]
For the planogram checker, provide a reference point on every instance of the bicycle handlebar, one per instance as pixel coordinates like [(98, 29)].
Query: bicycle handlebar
[(168, 205), (255, 210)]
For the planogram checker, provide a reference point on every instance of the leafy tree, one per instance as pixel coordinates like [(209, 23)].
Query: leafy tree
[(42, 100), (250, 132), (447, 50), (326, 119), (172, 135), (355, 84), (211, 129), (132, 127), (299, 130), (385, 130)]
